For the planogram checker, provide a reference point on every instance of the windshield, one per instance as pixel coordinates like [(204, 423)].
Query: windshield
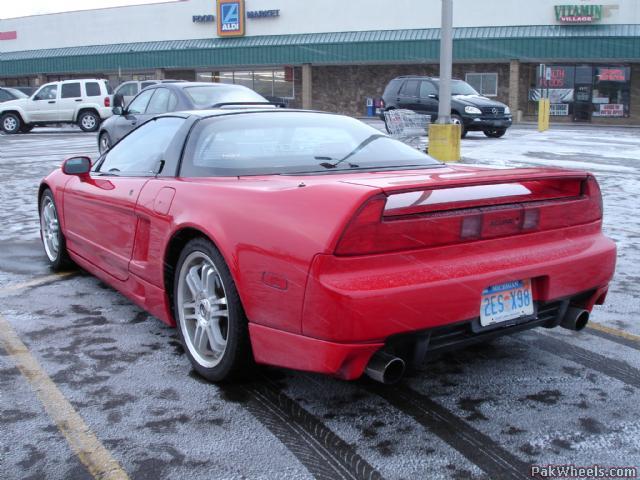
[(207, 96), (16, 93), (460, 87), (284, 142)]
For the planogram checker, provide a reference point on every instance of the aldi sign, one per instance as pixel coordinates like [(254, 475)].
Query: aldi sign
[(230, 18), (578, 13)]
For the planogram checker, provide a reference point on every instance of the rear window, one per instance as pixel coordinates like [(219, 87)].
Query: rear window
[(70, 90), (209, 96), (280, 142), (391, 88), (17, 93), (93, 89)]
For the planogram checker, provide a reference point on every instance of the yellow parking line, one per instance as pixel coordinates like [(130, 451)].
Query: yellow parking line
[(81, 439), (36, 282), (614, 331)]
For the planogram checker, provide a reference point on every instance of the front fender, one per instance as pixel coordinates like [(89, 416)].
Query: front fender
[(15, 108)]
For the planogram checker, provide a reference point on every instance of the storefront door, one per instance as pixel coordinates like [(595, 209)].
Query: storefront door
[(582, 95)]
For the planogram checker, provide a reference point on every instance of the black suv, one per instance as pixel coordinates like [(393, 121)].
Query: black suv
[(468, 108)]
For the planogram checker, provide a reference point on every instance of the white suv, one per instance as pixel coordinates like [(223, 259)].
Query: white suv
[(84, 102), (130, 89)]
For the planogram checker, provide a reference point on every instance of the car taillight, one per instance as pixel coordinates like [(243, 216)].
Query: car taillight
[(107, 101), (462, 214)]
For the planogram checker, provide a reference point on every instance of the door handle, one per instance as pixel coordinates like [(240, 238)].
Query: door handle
[(78, 100), (52, 101)]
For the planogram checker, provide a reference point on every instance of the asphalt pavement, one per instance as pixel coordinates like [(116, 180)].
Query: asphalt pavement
[(90, 384)]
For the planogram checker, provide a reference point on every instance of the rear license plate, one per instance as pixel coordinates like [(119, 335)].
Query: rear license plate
[(501, 303)]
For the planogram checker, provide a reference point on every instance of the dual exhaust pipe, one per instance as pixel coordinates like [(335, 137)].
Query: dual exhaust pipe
[(385, 368), (388, 369), (575, 319)]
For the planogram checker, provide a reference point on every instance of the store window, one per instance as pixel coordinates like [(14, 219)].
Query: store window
[(268, 83), (484, 83), (584, 91), (611, 91), (559, 88)]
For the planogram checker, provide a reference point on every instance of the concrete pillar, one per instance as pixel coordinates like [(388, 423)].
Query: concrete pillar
[(41, 79), (307, 86), (514, 87), (159, 75)]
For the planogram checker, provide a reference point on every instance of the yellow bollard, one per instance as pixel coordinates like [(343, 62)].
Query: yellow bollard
[(544, 113), (444, 142)]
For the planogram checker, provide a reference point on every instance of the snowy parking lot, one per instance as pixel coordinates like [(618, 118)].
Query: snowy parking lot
[(542, 397)]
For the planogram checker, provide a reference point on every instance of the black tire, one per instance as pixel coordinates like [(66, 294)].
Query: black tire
[(11, 123), (104, 142), (458, 120), (495, 132), (60, 259), (26, 128), (237, 357), (88, 121)]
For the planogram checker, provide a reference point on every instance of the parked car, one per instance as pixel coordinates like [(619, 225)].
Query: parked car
[(84, 102), (26, 90), (127, 90), (311, 241), (170, 97), (469, 109), (8, 93)]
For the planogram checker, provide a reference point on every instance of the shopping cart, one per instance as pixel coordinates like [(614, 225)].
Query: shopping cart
[(408, 126)]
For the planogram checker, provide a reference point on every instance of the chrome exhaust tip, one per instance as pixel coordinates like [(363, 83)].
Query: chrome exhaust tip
[(575, 319), (385, 368)]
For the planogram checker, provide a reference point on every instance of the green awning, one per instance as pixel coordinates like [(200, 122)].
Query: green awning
[(475, 44)]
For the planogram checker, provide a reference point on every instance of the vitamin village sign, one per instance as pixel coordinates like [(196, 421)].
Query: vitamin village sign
[(582, 13)]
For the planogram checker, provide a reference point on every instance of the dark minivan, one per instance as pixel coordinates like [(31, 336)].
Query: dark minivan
[(468, 108)]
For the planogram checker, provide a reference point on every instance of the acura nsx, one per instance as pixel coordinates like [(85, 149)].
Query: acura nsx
[(311, 241)]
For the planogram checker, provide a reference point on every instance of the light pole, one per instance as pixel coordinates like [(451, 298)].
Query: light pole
[(446, 61), (444, 137)]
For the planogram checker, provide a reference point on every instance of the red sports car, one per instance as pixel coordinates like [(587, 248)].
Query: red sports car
[(311, 241)]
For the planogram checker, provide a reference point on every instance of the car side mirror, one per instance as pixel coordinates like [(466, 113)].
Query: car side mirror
[(79, 166), (117, 110)]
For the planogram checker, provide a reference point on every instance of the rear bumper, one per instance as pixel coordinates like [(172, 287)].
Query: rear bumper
[(370, 298), (355, 306)]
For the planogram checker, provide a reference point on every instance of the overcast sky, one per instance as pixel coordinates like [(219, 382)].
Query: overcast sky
[(22, 8)]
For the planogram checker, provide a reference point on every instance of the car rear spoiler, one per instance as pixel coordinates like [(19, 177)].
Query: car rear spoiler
[(242, 104)]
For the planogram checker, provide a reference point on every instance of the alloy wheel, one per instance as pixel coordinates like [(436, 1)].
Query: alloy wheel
[(50, 229), (88, 122), (104, 143), (202, 309), (10, 124)]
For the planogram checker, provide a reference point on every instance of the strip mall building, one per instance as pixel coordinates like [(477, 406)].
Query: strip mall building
[(334, 54)]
